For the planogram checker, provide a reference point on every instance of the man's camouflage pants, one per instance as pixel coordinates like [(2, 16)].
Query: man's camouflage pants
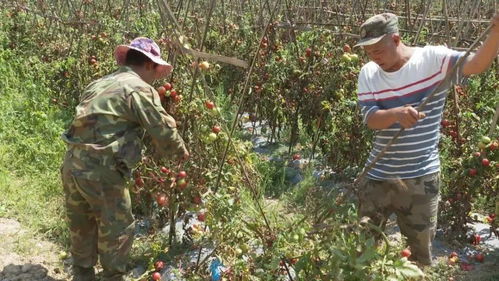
[(414, 201), (100, 220)]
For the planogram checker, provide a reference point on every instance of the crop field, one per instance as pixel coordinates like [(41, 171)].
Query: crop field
[(264, 94)]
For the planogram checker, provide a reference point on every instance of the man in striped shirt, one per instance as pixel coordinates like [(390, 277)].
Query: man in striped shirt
[(398, 78)]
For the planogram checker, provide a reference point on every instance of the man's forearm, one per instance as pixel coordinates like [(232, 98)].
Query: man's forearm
[(406, 116), (381, 119), (485, 55)]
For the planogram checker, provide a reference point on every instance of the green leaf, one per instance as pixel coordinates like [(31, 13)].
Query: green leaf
[(368, 255), (410, 270)]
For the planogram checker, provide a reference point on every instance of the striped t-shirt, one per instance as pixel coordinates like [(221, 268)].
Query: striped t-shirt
[(415, 153)]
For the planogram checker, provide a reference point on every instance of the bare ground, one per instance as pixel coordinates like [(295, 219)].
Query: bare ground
[(24, 258)]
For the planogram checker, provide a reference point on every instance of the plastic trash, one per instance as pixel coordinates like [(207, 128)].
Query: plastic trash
[(216, 269)]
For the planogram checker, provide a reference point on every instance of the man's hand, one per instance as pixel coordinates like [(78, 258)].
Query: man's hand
[(407, 116)]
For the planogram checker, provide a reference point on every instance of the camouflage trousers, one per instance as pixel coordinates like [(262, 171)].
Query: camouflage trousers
[(414, 201), (100, 220)]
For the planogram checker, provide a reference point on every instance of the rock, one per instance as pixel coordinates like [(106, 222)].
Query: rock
[(40, 273), (12, 270), (26, 267), (25, 276)]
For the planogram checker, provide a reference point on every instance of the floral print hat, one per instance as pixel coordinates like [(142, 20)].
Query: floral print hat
[(149, 48)]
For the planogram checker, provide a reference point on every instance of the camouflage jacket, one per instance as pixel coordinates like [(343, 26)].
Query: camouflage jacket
[(110, 121)]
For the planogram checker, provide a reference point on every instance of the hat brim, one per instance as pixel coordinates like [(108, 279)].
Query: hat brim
[(369, 41), (163, 68)]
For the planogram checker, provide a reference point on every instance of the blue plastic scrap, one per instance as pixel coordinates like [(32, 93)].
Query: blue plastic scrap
[(216, 268)]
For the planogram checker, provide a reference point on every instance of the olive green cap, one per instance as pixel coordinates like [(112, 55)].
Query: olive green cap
[(376, 27)]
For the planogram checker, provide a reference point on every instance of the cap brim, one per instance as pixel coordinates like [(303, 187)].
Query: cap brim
[(369, 41), (164, 68)]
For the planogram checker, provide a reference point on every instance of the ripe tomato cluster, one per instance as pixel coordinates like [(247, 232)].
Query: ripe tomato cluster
[(167, 91)]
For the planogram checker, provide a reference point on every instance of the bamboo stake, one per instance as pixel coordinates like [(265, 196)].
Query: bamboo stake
[(408, 13), (494, 122), (427, 10)]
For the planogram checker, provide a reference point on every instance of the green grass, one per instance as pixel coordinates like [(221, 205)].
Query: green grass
[(30, 148), (36, 202)]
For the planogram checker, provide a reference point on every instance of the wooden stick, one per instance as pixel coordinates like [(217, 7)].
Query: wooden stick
[(494, 122), (427, 10)]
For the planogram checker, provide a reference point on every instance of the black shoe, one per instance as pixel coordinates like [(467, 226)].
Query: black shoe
[(83, 274)]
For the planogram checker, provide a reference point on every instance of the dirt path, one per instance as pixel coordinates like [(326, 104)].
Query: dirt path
[(24, 258)]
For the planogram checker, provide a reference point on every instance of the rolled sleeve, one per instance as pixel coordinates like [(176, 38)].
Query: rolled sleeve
[(367, 111), (146, 108)]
